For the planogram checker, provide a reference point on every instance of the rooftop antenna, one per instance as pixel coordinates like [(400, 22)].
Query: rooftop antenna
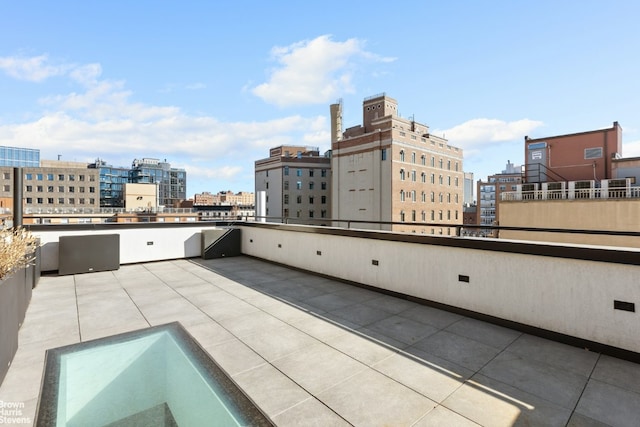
[(59, 155)]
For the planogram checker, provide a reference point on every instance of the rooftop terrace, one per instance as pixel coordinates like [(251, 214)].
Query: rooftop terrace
[(310, 350)]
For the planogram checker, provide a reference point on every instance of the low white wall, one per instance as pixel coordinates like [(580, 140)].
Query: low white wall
[(569, 296), (141, 244)]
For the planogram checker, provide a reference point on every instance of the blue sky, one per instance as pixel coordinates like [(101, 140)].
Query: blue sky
[(211, 87)]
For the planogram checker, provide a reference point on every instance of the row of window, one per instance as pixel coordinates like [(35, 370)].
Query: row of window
[(423, 215), (323, 213), (432, 161), (423, 178), (323, 185), (51, 189), (323, 172), (411, 195), (312, 199), (51, 177), (60, 201)]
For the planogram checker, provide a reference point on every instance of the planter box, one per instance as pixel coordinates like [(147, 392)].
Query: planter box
[(12, 297)]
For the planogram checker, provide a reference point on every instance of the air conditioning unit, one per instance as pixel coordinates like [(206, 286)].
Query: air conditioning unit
[(582, 189), (553, 190), (615, 188)]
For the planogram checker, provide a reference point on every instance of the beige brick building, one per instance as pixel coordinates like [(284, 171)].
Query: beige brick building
[(55, 186), (391, 169), (297, 183)]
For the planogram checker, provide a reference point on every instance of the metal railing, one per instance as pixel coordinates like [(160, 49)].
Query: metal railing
[(572, 194)]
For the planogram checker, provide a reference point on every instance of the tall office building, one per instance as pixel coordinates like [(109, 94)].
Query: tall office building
[(297, 182), (112, 182), (391, 169), (172, 182)]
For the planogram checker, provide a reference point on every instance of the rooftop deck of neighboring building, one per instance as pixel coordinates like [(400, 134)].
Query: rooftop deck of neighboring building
[(314, 351)]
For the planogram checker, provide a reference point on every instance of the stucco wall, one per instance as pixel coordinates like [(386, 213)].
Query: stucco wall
[(613, 215), (568, 296)]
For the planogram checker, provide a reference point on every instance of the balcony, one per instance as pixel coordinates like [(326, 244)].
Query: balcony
[(317, 332)]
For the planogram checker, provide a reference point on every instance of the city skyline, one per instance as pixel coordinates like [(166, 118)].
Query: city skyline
[(212, 88)]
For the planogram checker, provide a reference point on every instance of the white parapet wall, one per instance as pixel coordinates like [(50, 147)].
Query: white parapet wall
[(137, 244), (565, 295)]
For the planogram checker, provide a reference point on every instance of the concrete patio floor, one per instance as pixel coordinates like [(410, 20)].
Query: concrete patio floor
[(313, 351)]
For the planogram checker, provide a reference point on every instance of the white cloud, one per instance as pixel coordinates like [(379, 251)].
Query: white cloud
[(631, 149), (34, 69), (313, 71), (476, 133)]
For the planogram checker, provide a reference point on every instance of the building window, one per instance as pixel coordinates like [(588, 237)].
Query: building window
[(456, 198), (456, 181), (402, 195), (440, 163), (61, 200), (286, 199), (323, 213), (413, 176), (423, 216), (440, 215), (449, 181), (413, 195), (401, 174), (81, 177), (323, 185), (286, 170), (448, 164), (72, 201), (50, 200), (266, 185), (433, 162), (311, 185), (423, 177), (423, 160), (456, 214), (286, 213), (413, 157), (286, 185), (60, 177), (92, 189), (448, 197), (6, 187), (29, 188), (50, 188), (29, 200), (323, 199), (299, 199), (6, 175), (593, 153), (402, 155), (433, 178), (310, 214), (92, 201), (61, 189), (401, 216), (323, 173), (310, 172), (49, 177), (81, 201), (440, 197), (440, 180), (39, 188), (423, 197), (433, 197), (310, 200), (39, 177), (456, 166), (72, 177), (39, 200), (298, 185), (433, 215), (72, 189), (298, 172), (383, 154)]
